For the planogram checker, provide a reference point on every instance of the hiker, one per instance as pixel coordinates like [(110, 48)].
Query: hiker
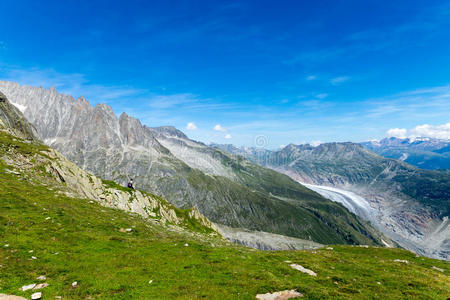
[(131, 184)]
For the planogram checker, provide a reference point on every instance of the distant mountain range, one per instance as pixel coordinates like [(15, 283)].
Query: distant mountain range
[(424, 153), (408, 204), (226, 189)]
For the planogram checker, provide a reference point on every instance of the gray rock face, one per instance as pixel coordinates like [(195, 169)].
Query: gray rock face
[(264, 240), (13, 121), (165, 162), (409, 205)]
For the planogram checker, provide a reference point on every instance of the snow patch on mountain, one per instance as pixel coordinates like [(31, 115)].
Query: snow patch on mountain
[(20, 107)]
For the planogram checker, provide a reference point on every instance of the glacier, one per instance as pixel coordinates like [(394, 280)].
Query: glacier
[(353, 202)]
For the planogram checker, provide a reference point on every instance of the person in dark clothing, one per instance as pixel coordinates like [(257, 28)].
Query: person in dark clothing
[(131, 184)]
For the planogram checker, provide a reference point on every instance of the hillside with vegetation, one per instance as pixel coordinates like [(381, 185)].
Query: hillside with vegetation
[(113, 254)]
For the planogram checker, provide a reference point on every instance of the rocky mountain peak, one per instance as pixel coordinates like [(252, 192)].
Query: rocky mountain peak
[(105, 108), (82, 100), (170, 131)]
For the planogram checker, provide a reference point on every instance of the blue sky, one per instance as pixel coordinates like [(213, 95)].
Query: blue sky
[(277, 71)]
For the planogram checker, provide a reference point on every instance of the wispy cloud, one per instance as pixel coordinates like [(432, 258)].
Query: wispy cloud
[(74, 84), (321, 96), (425, 102), (426, 24), (313, 57), (219, 127), (339, 80), (169, 101), (121, 96)]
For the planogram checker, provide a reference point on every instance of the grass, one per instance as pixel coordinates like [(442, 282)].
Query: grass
[(109, 264), (79, 240)]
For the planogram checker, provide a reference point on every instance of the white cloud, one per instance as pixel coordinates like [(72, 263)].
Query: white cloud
[(228, 136), (311, 77), (219, 127), (322, 96), (169, 101), (191, 126), (425, 130), (315, 143), (74, 84), (339, 80), (397, 132)]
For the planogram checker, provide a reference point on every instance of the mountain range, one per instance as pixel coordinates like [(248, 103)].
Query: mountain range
[(251, 188), (424, 153), (163, 161)]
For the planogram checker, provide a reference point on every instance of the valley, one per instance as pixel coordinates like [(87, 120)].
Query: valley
[(66, 234)]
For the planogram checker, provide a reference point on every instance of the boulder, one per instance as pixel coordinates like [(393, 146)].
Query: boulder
[(287, 294)]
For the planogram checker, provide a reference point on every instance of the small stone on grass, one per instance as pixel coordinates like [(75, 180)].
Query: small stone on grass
[(279, 295), (437, 269), (401, 261), (36, 296), (27, 287), (40, 286), (302, 269)]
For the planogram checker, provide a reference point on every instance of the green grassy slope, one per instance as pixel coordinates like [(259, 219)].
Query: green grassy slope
[(75, 240)]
